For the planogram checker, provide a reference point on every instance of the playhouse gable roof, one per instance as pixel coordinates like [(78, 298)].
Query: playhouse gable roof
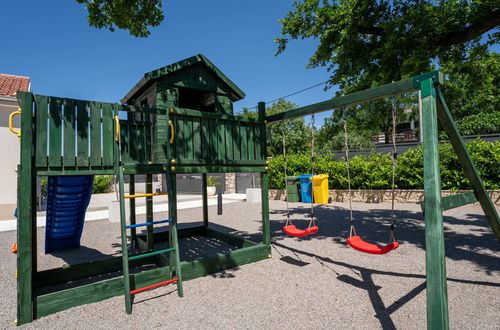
[(149, 77)]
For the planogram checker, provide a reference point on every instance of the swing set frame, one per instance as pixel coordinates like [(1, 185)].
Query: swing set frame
[(434, 108)]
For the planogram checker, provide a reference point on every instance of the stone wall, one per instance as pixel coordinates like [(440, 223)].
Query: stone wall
[(230, 183), (379, 196)]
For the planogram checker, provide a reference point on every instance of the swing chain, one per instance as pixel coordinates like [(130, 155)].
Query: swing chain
[(288, 221), (394, 157), (349, 191)]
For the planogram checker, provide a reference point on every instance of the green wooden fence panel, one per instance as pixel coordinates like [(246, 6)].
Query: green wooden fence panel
[(197, 146), (41, 111), (82, 131), (69, 147), (108, 134), (95, 134), (55, 132), (244, 142)]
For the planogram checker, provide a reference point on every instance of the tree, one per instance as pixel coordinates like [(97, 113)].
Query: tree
[(297, 133), (473, 84), (364, 43), (367, 41), (132, 15)]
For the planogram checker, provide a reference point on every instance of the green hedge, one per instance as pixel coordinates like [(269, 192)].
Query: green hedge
[(374, 171), (102, 184)]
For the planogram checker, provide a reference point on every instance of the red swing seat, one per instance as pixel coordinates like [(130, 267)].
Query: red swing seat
[(294, 231), (358, 244)]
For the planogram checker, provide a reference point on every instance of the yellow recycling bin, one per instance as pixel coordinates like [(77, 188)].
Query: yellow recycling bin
[(320, 188)]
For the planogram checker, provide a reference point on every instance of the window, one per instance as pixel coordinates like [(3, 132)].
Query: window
[(196, 99)]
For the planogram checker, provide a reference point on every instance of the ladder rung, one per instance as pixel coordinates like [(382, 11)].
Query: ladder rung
[(146, 195), (148, 223), (139, 256), (154, 286)]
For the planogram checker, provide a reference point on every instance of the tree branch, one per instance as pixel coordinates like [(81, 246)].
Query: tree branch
[(471, 32)]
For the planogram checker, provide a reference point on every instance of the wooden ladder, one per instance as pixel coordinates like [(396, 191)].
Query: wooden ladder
[(173, 249)]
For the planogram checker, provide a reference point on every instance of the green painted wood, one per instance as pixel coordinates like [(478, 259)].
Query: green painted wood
[(149, 138), (41, 113), (188, 137), (244, 142), (63, 275), (174, 257), (149, 254), (58, 301), (108, 134), (395, 88), (134, 168), (454, 201), (132, 218), (69, 145), (125, 141), (212, 115), (221, 140), (125, 265), (95, 134), (261, 106), (82, 134), (160, 140), (204, 198), (149, 212), (446, 120), (437, 297), (75, 171), (197, 146), (55, 132), (180, 138), (218, 169), (251, 142), (141, 140), (214, 139), (25, 215), (228, 130), (205, 139), (235, 133)]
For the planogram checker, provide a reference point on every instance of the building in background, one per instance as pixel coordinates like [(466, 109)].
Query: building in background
[(9, 85)]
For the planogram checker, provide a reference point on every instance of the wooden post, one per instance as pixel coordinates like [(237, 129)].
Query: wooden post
[(131, 189), (205, 198), (264, 179), (149, 212), (174, 259), (25, 215), (437, 297), (465, 159), (123, 223)]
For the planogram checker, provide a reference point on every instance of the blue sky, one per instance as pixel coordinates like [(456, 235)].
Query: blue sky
[(51, 42)]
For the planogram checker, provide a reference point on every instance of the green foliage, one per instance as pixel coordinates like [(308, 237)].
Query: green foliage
[(337, 142), (362, 41), (212, 181), (481, 123), (132, 15), (374, 171), (297, 133), (473, 85), (102, 184)]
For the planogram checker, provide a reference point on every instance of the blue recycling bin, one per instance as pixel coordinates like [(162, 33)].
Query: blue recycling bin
[(306, 188)]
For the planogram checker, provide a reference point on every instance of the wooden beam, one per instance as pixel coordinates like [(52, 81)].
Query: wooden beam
[(465, 159), (218, 169), (454, 201), (437, 296), (25, 214), (395, 88), (204, 198)]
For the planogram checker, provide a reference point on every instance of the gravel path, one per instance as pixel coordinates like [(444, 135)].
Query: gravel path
[(316, 282)]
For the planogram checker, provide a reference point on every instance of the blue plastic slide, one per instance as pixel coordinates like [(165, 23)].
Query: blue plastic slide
[(67, 201)]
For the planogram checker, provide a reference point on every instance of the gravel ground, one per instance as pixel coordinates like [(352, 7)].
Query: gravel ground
[(315, 282)]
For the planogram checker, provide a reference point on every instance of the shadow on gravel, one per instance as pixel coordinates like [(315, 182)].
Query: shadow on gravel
[(365, 281), (476, 244)]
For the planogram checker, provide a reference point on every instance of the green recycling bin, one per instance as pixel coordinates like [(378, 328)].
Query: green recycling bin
[(292, 188)]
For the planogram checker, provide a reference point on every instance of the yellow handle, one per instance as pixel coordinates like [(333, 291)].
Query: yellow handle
[(11, 127), (117, 128), (172, 131)]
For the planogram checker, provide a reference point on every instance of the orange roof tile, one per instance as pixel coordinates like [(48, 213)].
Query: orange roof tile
[(9, 84)]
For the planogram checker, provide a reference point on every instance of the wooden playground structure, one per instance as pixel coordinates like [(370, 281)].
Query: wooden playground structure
[(169, 133)]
